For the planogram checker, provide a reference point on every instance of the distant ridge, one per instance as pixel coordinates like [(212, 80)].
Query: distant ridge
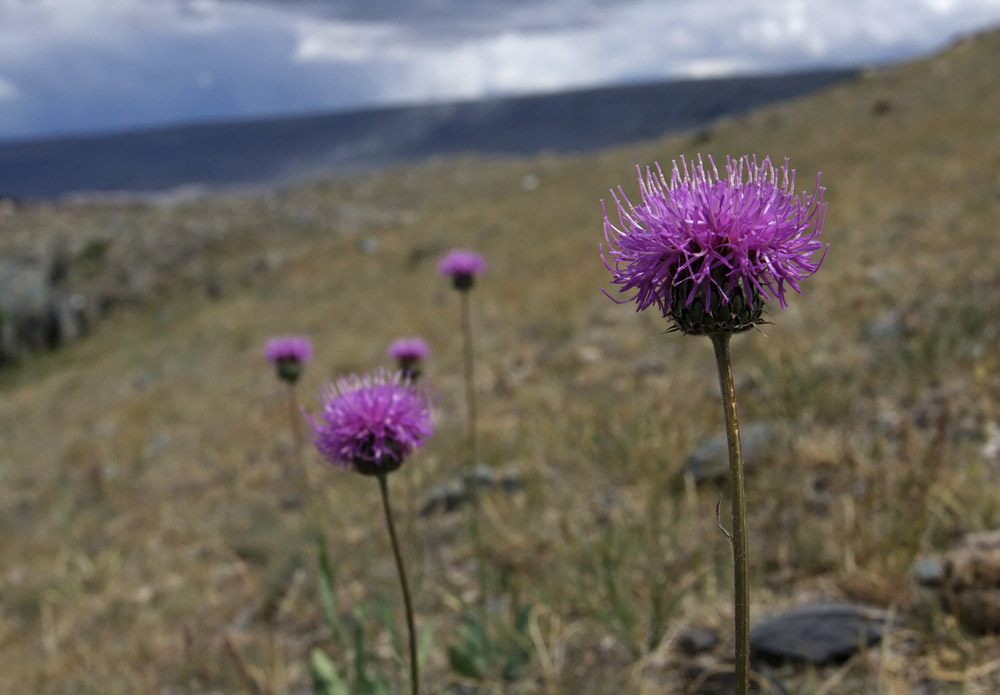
[(265, 153)]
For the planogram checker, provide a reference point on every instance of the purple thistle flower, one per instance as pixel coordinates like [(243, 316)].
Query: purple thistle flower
[(288, 353), (411, 349), (370, 423), (708, 250), (409, 353), (462, 267)]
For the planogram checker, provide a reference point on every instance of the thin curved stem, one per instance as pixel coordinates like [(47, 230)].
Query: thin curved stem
[(414, 665), (741, 599)]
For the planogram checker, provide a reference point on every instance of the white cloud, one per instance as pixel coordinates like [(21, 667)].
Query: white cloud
[(354, 42), (639, 39)]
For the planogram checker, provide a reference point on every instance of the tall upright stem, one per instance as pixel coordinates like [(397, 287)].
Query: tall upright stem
[(293, 422), (470, 392), (741, 601), (414, 665), (471, 477)]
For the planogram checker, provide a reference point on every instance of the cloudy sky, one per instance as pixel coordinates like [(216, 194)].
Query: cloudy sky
[(73, 66)]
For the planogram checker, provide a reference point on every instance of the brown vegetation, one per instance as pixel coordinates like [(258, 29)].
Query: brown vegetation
[(144, 535)]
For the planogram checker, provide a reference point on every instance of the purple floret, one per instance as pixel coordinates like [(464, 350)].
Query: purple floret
[(409, 350), (371, 423), (288, 348), (460, 262), (700, 233)]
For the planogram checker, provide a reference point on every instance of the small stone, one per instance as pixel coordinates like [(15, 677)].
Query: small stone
[(697, 640), (444, 497), (928, 571), (589, 353), (453, 493), (711, 460), (881, 107), (818, 634)]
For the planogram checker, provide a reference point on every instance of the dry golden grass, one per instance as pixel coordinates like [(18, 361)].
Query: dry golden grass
[(142, 470)]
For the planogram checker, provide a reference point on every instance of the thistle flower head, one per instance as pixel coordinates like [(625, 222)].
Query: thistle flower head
[(707, 249), (288, 353), (410, 349), (462, 267), (371, 423), (409, 353)]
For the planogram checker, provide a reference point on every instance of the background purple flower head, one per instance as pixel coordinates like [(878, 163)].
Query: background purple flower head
[(409, 349), (707, 239), (288, 353), (409, 353), (462, 267), (371, 423), (288, 347)]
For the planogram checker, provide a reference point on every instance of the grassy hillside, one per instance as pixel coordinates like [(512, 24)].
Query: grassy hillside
[(143, 484)]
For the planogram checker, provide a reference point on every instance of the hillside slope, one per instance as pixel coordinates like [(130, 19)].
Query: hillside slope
[(268, 153)]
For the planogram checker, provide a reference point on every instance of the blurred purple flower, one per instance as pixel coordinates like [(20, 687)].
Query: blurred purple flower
[(409, 349), (462, 267), (708, 250), (288, 347), (409, 353), (288, 353), (370, 423)]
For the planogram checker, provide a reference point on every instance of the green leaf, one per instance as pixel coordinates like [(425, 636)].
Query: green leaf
[(476, 640), (465, 664), (523, 617), (519, 651), (326, 678), (362, 684), (395, 638), (424, 643), (326, 591)]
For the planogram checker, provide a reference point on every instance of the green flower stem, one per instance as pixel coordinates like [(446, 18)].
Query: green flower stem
[(293, 421), (741, 600), (470, 396), (383, 484), (471, 478)]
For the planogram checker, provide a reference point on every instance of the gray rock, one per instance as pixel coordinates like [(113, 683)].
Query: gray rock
[(33, 314), (696, 640), (26, 314), (818, 634), (453, 493), (710, 460), (928, 571)]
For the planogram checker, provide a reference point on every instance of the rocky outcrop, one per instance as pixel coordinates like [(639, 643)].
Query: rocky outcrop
[(37, 311)]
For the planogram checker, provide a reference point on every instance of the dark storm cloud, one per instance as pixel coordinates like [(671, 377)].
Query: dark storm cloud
[(110, 64)]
